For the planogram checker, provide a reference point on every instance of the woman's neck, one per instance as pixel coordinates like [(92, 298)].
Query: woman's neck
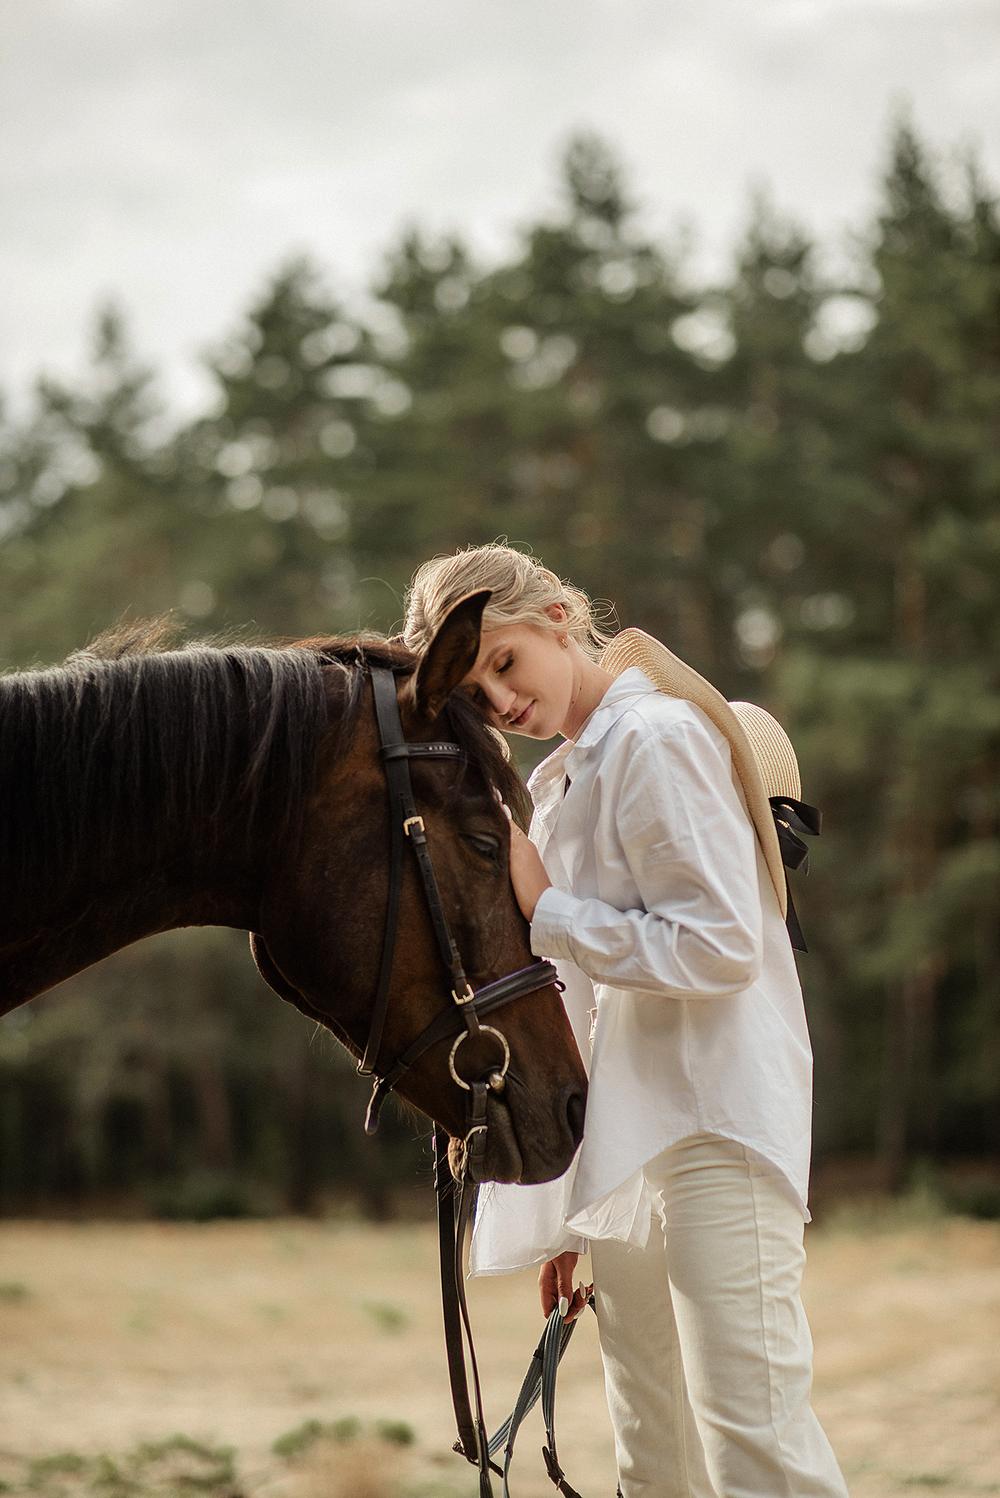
[(590, 684)]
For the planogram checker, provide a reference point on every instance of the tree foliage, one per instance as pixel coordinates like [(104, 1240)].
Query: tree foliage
[(790, 480)]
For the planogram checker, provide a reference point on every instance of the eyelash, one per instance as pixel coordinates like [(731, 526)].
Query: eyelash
[(477, 695)]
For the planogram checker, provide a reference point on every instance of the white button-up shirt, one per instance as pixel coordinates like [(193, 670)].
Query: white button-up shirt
[(681, 985)]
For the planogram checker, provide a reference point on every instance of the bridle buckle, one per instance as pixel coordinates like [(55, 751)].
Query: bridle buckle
[(468, 997), (417, 822)]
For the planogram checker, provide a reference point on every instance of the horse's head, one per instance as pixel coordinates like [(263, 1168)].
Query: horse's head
[(324, 917)]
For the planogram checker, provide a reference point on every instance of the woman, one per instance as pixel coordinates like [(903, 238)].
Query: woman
[(652, 878)]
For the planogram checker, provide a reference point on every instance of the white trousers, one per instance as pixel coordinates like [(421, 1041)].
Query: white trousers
[(706, 1348)]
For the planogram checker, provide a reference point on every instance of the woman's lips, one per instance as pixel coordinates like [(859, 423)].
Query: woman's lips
[(522, 718)]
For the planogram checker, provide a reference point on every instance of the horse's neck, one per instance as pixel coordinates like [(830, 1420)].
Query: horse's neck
[(128, 805), (63, 930), (70, 913)]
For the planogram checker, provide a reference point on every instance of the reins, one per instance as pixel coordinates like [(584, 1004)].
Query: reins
[(540, 1380), (455, 1202)]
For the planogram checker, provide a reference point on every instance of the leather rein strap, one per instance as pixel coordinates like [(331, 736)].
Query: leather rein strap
[(540, 1379), (460, 1018)]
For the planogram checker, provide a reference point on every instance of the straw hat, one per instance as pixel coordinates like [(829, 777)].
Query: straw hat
[(763, 757)]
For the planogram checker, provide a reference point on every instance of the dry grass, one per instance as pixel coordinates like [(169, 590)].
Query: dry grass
[(235, 1335)]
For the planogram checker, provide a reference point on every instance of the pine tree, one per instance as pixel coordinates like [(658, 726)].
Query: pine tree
[(271, 469), (86, 499), (900, 684), (533, 387)]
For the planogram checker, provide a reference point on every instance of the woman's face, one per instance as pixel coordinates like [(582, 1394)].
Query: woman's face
[(523, 680)]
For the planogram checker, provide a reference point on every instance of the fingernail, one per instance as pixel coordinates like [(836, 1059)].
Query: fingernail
[(563, 1305)]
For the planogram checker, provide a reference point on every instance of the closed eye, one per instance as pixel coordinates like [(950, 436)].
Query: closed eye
[(485, 846)]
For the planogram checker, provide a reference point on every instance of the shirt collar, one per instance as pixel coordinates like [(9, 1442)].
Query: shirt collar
[(623, 690)]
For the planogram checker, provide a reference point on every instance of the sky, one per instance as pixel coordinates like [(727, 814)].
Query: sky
[(171, 154)]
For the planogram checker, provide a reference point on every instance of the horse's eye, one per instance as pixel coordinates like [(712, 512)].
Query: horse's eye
[(487, 847)]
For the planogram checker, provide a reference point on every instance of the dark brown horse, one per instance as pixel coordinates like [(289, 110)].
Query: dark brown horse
[(144, 788)]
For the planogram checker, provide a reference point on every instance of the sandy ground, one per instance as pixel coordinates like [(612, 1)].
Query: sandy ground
[(237, 1333)]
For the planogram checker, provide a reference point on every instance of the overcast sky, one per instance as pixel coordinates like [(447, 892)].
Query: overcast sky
[(170, 153)]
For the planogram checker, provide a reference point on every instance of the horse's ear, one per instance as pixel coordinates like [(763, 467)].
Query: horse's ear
[(448, 657)]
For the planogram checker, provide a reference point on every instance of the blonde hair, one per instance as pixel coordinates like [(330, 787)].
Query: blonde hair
[(521, 588)]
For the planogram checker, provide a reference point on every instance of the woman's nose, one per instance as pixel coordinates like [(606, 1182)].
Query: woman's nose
[(500, 698)]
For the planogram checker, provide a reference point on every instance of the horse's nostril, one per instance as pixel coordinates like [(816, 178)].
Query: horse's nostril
[(576, 1108)]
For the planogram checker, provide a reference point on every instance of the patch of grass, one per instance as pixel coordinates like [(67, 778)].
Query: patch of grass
[(186, 1464), (396, 1432), (59, 1464), (267, 1311), (14, 1292), (109, 1481), (929, 1480), (347, 1428), (296, 1442), (387, 1317), (178, 1467)]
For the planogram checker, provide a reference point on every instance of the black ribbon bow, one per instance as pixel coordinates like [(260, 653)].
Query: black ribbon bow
[(790, 818)]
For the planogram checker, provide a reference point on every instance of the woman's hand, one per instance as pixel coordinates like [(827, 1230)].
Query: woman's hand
[(555, 1286), (527, 872)]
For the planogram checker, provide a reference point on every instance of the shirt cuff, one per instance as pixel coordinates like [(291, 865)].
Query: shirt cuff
[(552, 922)]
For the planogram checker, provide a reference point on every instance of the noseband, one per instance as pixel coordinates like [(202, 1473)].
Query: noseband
[(467, 1007)]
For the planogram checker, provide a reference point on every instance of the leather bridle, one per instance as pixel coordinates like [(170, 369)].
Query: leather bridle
[(462, 1018)]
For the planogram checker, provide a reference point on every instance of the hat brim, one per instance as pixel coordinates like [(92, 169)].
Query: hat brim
[(671, 675)]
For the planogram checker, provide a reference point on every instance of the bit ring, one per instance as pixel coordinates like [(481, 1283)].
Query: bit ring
[(500, 1072)]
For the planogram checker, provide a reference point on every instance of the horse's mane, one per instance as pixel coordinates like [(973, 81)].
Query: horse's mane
[(135, 723)]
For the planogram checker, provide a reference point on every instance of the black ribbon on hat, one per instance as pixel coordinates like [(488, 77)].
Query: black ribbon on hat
[(792, 817)]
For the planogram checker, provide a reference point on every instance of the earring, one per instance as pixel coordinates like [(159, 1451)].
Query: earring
[(564, 641)]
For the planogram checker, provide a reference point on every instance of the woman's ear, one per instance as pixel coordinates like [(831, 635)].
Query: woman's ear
[(449, 656), (557, 612)]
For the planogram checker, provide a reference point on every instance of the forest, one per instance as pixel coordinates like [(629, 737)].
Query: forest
[(791, 477)]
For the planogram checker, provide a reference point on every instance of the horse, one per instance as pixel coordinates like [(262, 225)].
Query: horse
[(146, 786)]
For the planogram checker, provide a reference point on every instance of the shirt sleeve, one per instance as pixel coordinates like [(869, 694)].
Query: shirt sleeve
[(689, 846)]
